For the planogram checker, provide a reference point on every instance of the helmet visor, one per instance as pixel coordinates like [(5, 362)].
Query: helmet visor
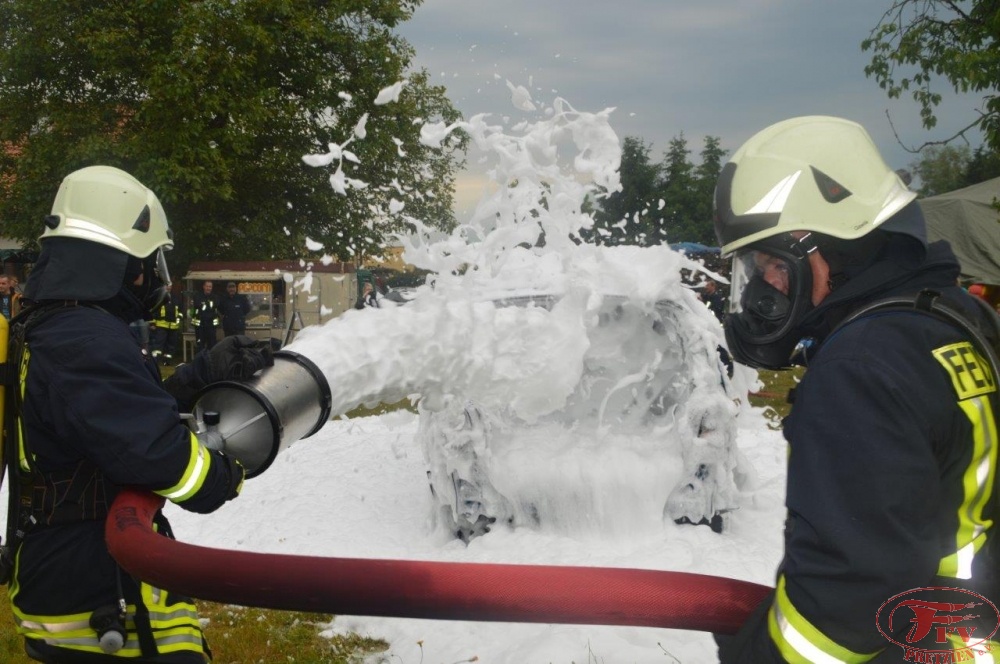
[(161, 268), (156, 280)]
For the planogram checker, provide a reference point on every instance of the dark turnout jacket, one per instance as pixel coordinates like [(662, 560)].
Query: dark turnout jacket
[(892, 476), (234, 310), (94, 407)]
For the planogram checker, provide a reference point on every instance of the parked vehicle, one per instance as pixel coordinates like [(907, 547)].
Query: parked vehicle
[(656, 382)]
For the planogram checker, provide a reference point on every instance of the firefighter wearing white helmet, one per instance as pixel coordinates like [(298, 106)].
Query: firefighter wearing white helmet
[(91, 416), (892, 469), (120, 222), (793, 188)]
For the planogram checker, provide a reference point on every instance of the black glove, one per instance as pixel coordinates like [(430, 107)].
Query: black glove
[(238, 358), (236, 475), (234, 358), (751, 644)]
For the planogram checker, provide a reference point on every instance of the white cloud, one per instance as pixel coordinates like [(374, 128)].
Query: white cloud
[(725, 68)]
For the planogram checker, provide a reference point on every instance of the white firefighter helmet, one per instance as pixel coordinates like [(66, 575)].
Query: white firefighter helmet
[(816, 174), (801, 185), (105, 229), (106, 205)]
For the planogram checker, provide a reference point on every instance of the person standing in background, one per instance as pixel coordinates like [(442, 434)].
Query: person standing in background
[(167, 320), (6, 298), (205, 317), (713, 299), (367, 298), (15, 293), (234, 308)]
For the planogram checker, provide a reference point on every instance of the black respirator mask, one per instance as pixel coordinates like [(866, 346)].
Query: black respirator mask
[(771, 293), (155, 279)]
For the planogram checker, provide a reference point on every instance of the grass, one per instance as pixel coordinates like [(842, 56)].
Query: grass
[(773, 396), (241, 635)]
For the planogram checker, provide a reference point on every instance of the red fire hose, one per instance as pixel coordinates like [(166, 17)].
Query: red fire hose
[(420, 589)]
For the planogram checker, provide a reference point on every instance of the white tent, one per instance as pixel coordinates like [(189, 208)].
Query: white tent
[(969, 219)]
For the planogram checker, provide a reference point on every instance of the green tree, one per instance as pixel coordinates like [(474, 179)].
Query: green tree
[(918, 41), (984, 165), (688, 191), (706, 175), (666, 202), (213, 104), (623, 216), (675, 190), (942, 168)]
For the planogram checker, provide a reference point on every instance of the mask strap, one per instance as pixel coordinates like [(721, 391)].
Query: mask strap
[(807, 244)]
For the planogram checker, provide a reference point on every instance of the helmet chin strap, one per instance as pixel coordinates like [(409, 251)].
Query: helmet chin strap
[(822, 281)]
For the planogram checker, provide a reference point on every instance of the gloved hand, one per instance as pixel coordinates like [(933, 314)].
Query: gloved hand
[(752, 642), (234, 358), (238, 358)]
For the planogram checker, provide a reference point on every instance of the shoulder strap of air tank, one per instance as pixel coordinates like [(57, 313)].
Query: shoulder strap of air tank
[(20, 325), (930, 302), (16, 332)]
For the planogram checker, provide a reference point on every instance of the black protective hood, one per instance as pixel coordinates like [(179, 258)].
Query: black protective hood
[(905, 268), (72, 269)]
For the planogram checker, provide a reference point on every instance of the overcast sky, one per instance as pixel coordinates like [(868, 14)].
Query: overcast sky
[(724, 68)]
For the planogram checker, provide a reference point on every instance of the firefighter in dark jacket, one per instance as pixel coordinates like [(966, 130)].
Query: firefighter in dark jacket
[(167, 321), (92, 416), (234, 308), (205, 317), (892, 468)]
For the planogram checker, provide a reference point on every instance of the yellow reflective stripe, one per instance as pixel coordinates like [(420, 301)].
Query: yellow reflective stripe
[(74, 632), (166, 611), (798, 641), (22, 454), (52, 624), (167, 324), (193, 477), (172, 619), (70, 631), (176, 640), (977, 487)]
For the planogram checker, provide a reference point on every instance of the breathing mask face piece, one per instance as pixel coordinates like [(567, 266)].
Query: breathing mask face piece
[(771, 292), (762, 285)]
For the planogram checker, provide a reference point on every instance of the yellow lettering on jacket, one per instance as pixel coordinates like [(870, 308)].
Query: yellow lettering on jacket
[(970, 373)]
